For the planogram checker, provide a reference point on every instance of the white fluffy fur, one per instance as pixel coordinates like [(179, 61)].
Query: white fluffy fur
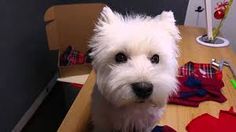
[(114, 105)]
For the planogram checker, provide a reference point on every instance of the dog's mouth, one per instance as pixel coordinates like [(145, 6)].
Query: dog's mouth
[(140, 101), (145, 101)]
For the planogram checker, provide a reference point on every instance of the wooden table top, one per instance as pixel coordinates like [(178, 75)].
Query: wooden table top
[(176, 116)]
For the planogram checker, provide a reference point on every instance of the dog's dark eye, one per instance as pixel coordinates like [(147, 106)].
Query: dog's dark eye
[(155, 59), (120, 57)]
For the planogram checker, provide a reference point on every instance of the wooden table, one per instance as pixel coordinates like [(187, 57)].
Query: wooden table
[(175, 116)]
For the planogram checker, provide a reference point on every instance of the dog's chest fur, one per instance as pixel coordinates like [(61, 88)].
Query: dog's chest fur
[(126, 119)]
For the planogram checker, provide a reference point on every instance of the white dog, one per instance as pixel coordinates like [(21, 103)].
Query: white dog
[(135, 62)]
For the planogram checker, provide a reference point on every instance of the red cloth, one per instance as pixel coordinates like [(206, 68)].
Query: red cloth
[(76, 85), (211, 81), (207, 123), (203, 123), (228, 120), (213, 88)]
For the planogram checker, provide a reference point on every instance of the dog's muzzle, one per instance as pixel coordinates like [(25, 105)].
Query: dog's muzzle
[(142, 89)]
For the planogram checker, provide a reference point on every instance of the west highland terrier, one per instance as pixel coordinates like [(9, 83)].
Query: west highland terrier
[(135, 62)]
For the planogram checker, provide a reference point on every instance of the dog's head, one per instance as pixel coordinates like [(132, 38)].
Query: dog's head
[(135, 57)]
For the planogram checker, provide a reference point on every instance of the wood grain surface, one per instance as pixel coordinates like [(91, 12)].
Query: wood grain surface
[(175, 116)]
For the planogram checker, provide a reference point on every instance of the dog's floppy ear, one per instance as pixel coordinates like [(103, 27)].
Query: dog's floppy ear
[(167, 20), (108, 16)]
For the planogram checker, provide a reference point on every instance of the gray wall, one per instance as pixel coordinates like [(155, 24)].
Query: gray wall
[(152, 7), (25, 62), (229, 27), (149, 7)]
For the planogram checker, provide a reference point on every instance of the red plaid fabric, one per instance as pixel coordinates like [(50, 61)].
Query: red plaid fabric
[(210, 81), (72, 57), (199, 70)]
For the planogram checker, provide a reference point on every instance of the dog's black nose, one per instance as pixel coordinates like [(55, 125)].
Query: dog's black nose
[(142, 89)]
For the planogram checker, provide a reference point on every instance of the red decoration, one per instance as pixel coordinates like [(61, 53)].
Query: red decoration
[(222, 5), (72, 57), (80, 58), (219, 14), (220, 9)]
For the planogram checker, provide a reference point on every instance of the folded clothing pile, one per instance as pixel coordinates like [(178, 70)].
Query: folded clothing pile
[(198, 83), (71, 57)]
